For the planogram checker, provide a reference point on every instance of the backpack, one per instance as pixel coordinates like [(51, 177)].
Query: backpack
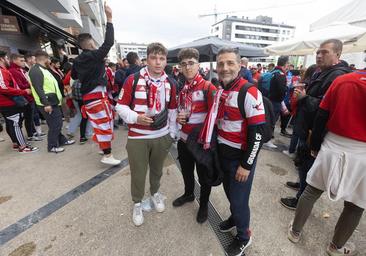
[(264, 82), (269, 114)]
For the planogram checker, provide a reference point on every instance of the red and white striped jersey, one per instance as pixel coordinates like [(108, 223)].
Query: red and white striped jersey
[(232, 127), (202, 98), (138, 104)]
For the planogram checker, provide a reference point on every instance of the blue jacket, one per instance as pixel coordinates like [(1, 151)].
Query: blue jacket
[(246, 74)]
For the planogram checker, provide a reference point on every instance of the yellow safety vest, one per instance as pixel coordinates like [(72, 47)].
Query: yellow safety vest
[(50, 85)]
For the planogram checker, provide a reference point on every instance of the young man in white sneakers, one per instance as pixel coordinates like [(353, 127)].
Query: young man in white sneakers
[(147, 103), (89, 69)]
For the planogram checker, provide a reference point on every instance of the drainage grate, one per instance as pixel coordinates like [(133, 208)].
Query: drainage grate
[(214, 217)]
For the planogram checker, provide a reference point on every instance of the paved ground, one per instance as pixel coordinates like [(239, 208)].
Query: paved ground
[(98, 222)]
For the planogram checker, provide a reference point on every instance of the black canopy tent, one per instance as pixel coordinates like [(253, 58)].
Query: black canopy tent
[(209, 47)]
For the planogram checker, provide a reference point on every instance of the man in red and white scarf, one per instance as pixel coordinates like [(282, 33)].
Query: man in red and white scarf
[(195, 100), (239, 138), (141, 105)]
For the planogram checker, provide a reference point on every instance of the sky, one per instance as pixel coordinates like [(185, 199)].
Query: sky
[(176, 22)]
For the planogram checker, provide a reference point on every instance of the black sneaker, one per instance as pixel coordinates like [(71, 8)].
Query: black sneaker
[(237, 247), (289, 202), (182, 200), (202, 214), (293, 185), (83, 140), (285, 133), (226, 225)]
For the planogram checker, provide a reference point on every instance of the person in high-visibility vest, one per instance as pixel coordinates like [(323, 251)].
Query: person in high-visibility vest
[(48, 99)]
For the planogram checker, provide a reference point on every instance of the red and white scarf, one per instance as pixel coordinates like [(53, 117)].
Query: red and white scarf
[(216, 112), (185, 97), (154, 89)]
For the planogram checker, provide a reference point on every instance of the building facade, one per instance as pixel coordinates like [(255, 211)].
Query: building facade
[(51, 23), (125, 48), (259, 32)]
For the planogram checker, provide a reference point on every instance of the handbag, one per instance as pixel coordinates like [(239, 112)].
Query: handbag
[(20, 101), (160, 120)]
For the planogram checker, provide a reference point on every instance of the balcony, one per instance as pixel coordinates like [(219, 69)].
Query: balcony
[(51, 5), (72, 18), (89, 27)]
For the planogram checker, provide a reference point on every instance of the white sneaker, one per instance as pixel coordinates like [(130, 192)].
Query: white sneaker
[(2, 139), (110, 160), (137, 216), (287, 153), (348, 249), (158, 202), (269, 144), (57, 150)]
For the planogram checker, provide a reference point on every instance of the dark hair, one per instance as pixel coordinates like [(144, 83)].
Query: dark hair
[(282, 60), (14, 56), (337, 45), (124, 59), (3, 54), (83, 37), (156, 48), (188, 53), (111, 64), (28, 55), (54, 60), (271, 64), (259, 65), (143, 59), (132, 58), (229, 50), (41, 53)]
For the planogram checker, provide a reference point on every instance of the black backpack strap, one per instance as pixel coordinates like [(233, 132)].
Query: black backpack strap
[(241, 97), (173, 83), (136, 77)]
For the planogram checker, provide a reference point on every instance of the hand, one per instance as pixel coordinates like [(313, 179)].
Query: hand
[(242, 174), (300, 93), (314, 153), (144, 120), (108, 12), (182, 118), (28, 91), (48, 109)]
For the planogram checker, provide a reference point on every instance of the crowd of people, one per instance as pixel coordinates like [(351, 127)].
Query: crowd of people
[(220, 124)]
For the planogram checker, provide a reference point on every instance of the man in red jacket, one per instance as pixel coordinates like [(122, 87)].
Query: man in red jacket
[(17, 65), (12, 113)]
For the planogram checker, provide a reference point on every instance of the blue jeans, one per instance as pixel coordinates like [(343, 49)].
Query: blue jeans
[(277, 109), (238, 195), (76, 121)]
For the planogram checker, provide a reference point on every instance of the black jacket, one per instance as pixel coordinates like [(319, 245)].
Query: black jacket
[(89, 66), (309, 105), (278, 87)]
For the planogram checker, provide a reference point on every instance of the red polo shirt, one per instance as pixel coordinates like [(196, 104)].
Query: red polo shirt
[(345, 101)]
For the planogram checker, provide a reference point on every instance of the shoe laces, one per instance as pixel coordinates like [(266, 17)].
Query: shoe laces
[(138, 210), (157, 198)]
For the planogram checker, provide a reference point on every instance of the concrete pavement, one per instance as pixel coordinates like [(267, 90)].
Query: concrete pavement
[(98, 222)]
